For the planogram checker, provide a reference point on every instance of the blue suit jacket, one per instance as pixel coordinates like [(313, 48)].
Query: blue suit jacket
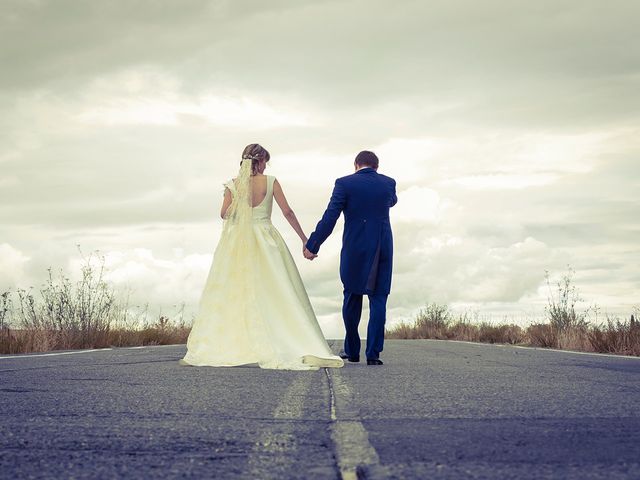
[(366, 258)]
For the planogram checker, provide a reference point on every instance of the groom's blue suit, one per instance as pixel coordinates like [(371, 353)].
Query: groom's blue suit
[(367, 251)]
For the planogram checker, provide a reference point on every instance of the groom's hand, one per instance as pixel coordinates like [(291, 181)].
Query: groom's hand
[(308, 255)]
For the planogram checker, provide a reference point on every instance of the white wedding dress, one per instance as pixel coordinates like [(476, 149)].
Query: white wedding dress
[(254, 307)]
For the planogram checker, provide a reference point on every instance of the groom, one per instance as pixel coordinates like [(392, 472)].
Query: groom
[(367, 250)]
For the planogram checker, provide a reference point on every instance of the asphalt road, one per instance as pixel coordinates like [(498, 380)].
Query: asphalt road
[(434, 410)]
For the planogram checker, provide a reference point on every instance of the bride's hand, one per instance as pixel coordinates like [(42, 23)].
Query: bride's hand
[(308, 255)]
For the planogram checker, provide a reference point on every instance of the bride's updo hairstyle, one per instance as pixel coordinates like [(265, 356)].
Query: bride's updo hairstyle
[(256, 153)]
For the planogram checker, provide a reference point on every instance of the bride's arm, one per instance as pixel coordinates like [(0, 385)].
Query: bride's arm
[(287, 211), (226, 202)]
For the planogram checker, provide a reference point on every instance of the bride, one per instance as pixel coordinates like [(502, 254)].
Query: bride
[(254, 307)]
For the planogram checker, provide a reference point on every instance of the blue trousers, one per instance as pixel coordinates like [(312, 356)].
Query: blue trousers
[(351, 313)]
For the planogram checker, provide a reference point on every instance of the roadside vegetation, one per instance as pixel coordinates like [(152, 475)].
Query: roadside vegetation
[(63, 314), (564, 326), (88, 313)]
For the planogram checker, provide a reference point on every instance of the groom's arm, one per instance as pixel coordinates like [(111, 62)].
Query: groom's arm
[(394, 197), (329, 219)]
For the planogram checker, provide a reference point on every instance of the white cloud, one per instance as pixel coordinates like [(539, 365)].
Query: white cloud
[(150, 97), (12, 267), (419, 204), (151, 279), (505, 273), (224, 111), (501, 181), (409, 160), (9, 181)]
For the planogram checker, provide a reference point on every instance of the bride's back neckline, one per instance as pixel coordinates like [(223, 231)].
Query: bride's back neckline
[(264, 192)]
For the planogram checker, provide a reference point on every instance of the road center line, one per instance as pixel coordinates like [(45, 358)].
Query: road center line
[(355, 456), (277, 444)]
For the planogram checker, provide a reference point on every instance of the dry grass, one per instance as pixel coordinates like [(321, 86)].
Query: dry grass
[(65, 315), (27, 341), (615, 336), (566, 328), (162, 332), (437, 322)]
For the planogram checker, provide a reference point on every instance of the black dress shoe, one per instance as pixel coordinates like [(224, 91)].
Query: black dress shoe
[(344, 356), (374, 361)]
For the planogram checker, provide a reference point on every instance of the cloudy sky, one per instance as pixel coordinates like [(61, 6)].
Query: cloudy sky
[(512, 128)]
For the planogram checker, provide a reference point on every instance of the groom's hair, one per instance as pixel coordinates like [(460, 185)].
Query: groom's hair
[(367, 159)]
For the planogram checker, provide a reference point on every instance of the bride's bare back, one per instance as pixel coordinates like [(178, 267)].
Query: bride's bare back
[(258, 193), (259, 189)]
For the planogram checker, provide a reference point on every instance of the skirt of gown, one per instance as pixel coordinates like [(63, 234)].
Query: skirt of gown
[(260, 314)]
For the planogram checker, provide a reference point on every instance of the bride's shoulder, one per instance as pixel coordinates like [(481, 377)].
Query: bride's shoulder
[(270, 178), (230, 184)]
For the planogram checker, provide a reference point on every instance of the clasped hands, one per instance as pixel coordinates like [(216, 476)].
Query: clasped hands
[(307, 254)]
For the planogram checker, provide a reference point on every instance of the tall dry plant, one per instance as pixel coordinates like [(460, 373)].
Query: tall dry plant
[(64, 314), (567, 328), (10, 342), (561, 306), (5, 309), (433, 321)]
